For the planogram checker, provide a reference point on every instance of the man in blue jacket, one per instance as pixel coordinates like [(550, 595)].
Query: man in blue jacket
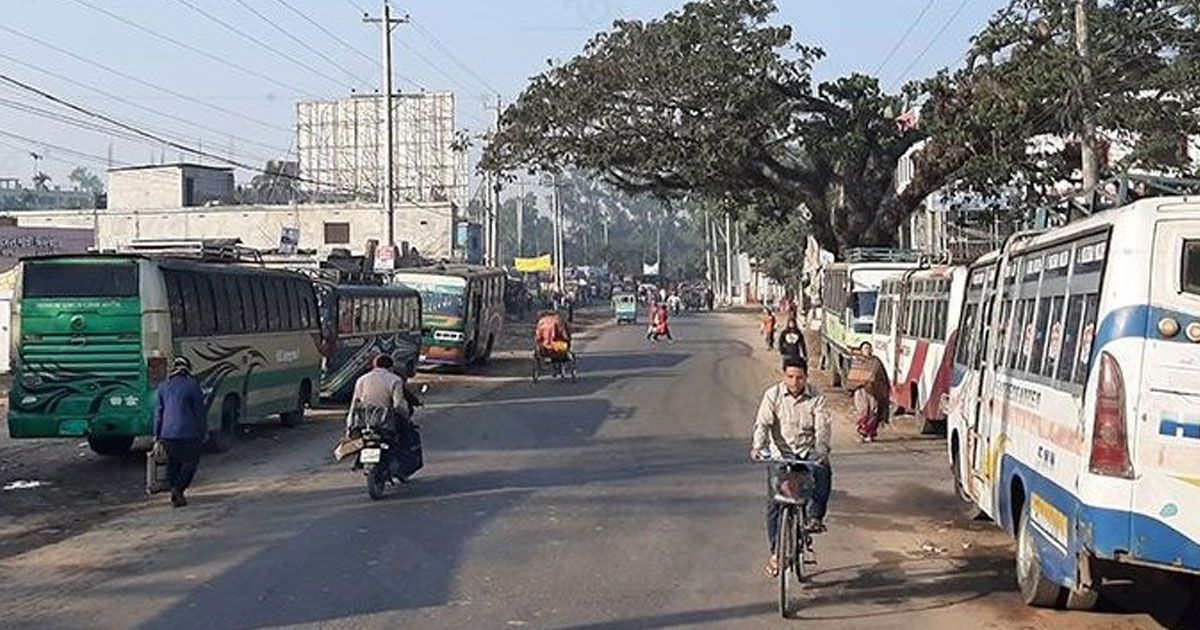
[(181, 426)]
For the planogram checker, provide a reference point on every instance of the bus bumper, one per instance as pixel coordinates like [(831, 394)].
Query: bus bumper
[(441, 355), (22, 425)]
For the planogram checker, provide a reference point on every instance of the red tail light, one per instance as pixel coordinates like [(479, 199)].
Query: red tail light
[(1110, 438), (156, 369)]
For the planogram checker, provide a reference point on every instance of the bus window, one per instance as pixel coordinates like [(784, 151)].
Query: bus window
[(1191, 267), (250, 310), (175, 302), (1087, 332), (345, 315), (208, 308), (234, 298), (191, 305), (1070, 343), (54, 280), (1041, 322), (270, 303), (1016, 341), (966, 335), (279, 286), (221, 307), (1053, 336)]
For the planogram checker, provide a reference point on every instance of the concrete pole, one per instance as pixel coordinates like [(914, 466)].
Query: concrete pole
[(389, 193), (520, 220)]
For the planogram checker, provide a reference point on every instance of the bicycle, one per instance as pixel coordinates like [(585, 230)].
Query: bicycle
[(793, 488)]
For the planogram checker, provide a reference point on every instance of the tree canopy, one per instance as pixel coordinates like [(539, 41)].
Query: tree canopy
[(716, 102)]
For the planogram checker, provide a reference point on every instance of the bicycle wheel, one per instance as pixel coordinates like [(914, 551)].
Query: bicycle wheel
[(786, 552)]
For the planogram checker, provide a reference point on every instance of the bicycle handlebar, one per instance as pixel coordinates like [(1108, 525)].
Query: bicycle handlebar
[(765, 457)]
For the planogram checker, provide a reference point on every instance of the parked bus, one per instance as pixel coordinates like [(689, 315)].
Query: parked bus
[(462, 311), (92, 335), (1073, 416), (848, 293), (916, 328), (360, 322)]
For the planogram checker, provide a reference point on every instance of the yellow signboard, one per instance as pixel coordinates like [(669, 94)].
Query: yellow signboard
[(533, 265)]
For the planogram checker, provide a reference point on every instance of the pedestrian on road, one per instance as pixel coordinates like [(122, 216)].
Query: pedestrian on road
[(792, 421), (180, 424), (872, 390), (652, 321), (768, 328), (662, 327), (791, 341), (709, 298)]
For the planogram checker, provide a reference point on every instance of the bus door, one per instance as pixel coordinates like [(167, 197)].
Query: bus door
[(984, 353), (475, 291), (1166, 432)]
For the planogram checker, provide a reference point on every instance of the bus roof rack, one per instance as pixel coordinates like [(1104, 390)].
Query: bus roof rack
[(207, 249), (882, 254)]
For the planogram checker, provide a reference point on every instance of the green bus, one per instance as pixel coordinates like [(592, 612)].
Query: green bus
[(93, 335), (462, 311)]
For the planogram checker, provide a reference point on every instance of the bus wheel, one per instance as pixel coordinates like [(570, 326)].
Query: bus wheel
[(222, 439), (1036, 588), (295, 418), (110, 446)]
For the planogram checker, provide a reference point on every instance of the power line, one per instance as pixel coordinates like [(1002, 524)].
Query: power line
[(130, 77), (37, 143), (334, 36), (137, 105), (450, 54), (199, 51), (904, 37), (933, 40), (261, 44)]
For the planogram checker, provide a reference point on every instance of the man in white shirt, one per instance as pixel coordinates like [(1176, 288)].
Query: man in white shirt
[(792, 421)]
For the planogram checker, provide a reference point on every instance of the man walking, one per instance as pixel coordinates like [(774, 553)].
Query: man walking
[(180, 424)]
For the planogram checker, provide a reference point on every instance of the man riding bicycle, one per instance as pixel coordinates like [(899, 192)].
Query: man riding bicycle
[(551, 335), (792, 421)]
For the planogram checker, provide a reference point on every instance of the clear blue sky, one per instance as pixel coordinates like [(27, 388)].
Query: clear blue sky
[(502, 41)]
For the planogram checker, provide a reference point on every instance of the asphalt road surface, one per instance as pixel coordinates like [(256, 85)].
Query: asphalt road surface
[(624, 500)]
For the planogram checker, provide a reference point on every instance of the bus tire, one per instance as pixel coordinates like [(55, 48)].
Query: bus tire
[(487, 352), (113, 446), (960, 486), (1084, 600), (222, 439), (1036, 589), (296, 418)]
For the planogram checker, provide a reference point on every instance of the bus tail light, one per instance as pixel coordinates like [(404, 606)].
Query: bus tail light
[(1110, 437), (156, 369)]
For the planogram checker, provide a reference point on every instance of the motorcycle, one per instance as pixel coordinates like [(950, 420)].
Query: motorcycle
[(387, 456)]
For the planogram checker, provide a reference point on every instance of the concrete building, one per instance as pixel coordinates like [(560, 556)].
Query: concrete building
[(169, 186), (322, 227)]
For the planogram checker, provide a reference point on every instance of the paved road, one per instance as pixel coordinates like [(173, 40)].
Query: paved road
[(623, 500)]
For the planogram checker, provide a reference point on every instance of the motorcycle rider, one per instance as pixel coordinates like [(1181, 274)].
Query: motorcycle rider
[(380, 391)]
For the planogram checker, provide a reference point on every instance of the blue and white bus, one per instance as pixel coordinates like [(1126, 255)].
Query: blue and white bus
[(360, 322), (1074, 416)]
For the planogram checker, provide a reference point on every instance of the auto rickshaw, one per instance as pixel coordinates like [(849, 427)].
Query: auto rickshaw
[(625, 307)]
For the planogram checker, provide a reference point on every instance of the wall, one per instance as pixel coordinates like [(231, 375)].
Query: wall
[(427, 227), (163, 187)]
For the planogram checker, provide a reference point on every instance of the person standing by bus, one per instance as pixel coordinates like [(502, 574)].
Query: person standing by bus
[(872, 388), (180, 425)]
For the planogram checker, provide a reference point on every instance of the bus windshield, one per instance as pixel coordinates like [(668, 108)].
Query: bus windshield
[(863, 304), (439, 299), (80, 280)]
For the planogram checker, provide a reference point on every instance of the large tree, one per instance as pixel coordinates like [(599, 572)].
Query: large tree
[(715, 101)]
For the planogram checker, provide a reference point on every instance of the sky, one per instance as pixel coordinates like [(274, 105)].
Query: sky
[(215, 88)]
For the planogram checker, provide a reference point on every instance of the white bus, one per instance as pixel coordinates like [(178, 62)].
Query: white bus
[(916, 329), (1075, 407), (848, 293)]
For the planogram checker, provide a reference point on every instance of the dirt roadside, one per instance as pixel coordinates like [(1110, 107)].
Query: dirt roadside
[(78, 490)]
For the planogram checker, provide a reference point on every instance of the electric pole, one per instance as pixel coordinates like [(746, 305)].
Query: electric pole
[(729, 257), (556, 214), (493, 223), (1087, 139), (387, 23)]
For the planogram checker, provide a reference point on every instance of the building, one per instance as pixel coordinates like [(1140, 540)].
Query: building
[(341, 144), (15, 196), (319, 228), (169, 185)]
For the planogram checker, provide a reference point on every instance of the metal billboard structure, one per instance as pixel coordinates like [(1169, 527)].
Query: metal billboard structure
[(340, 145)]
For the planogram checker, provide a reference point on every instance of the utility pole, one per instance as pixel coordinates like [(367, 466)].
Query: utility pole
[(1087, 139), (556, 217), (387, 23)]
